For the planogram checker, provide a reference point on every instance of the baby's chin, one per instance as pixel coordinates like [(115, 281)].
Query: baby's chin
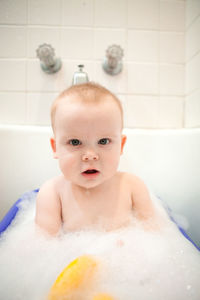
[(89, 185), (92, 184)]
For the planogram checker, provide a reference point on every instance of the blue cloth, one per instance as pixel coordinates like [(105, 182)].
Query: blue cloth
[(9, 217), (183, 231)]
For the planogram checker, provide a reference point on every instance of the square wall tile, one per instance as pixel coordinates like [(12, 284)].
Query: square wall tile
[(12, 75), (192, 73), (143, 14), (172, 47), (125, 107), (192, 11), (39, 36), (77, 43), (192, 109), (172, 15), (45, 12), (38, 80), (143, 46), (116, 83), (13, 12), (172, 79), (13, 42), (103, 38), (143, 78), (78, 13), (12, 108), (141, 111), (170, 112), (39, 106), (193, 39), (110, 13)]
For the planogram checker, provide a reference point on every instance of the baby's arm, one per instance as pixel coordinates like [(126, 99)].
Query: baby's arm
[(143, 206), (48, 208)]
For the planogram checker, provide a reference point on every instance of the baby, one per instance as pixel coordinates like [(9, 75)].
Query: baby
[(87, 122)]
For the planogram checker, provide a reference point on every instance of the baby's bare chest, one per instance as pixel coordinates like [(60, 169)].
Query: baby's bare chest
[(110, 210)]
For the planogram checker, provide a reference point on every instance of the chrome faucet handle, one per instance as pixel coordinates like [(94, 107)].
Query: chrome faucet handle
[(46, 54), (113, 61), (114, 51)]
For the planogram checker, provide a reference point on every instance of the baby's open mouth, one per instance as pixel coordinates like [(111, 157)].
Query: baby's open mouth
[(90, 171)]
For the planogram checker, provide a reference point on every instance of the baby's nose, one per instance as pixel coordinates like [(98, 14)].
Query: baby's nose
[(90, 156)]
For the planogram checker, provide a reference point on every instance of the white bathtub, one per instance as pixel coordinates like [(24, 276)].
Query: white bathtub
[(167, 160)]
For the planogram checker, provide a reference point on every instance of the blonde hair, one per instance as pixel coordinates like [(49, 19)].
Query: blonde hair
[(88, 93)]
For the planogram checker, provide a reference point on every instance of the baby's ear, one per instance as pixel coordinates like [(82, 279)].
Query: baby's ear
[(53, 146), (123, 141)]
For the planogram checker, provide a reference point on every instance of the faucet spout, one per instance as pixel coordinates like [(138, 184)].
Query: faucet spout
[(80, 76)]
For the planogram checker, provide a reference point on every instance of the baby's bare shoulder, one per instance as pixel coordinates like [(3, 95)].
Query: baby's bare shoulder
[(52, 183), (50, 188), (132, 179)]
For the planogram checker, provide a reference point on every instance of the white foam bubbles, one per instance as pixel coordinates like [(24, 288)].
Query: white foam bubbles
[(135, 264)]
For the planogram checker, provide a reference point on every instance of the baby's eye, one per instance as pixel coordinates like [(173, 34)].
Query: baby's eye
[(104, 141), (74, 142)]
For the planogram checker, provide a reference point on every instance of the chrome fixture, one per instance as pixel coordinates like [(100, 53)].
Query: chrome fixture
[(80, 76), (112, 63), (49, 63)]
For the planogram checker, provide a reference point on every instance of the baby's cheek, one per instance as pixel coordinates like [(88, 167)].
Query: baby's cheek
[(67, 163), (113, 159)]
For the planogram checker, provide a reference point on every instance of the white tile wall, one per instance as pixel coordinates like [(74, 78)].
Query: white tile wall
[(192, 72), (78, 13), (192, 11), (106, 37), (117, 84), (143, 14), (172, 15), (172, 47), (192, 106), (110, 13), (12, 75), (143, 46), (143, 78), (13, 42), (13, 108), (45, 12), (13, 14), (77, 43), (151, 32), (38, 107), (37, 36), (193, 39), (172, 79), (142, 111), (170, 112)]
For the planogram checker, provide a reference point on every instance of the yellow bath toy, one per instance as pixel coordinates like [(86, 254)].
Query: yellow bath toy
[(103, 297), (74, 278), (76, 281)]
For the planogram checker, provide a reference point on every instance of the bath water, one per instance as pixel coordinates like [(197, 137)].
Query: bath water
[(134, 263)]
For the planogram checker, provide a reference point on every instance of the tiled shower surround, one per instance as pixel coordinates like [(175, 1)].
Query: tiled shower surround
[(159, 85)]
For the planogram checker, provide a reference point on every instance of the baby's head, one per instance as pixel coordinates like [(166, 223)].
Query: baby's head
[(87, 122), (86, 94)]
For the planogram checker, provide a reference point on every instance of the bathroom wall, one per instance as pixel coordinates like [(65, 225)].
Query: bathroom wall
[(192, 102), (151, 32)]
